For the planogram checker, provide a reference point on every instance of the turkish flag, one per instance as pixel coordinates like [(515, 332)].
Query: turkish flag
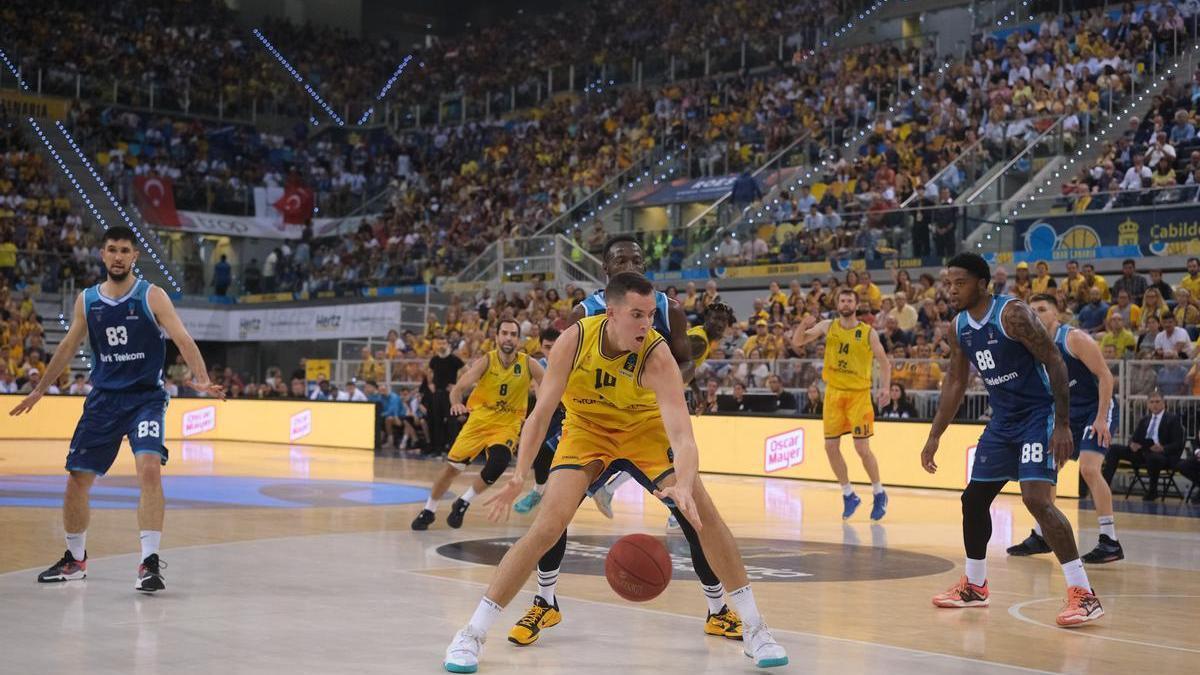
[(296, 204), (155, 198)]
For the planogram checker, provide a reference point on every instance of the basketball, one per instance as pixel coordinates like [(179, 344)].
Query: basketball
[(638, 567)]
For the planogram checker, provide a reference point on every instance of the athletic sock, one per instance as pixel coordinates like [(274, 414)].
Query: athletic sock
[(1108, 527), (877, 488), (1037, 529), (715, 595), (468, 495), (1075, 574), (150, 541), (431, 505), (540, 489), (847, 489), (485, 614), (77, 545), (743, 603), (547, 581), (977, 571)]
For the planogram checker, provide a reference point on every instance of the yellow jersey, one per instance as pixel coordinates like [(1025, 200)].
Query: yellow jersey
[(848, 357), (700, 345), (501, 391), (604, 393)]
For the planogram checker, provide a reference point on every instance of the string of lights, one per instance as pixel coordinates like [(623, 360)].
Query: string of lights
[(20, 80), (296, 76), (146, 245), (384, 91), (62, 321)]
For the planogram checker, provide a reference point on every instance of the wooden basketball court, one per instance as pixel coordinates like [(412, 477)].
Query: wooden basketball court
[(301, 559)]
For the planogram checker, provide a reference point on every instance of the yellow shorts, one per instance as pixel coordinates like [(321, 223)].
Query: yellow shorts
[(481, 433), (848, 412), (642, 450)]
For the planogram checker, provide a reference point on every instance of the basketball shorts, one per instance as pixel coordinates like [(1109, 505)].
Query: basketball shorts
[(1085, 436), (642, 450), (848, 412), (481, 433), (1016, 449), (109, 416)]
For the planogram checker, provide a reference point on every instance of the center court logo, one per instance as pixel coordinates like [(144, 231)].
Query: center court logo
[(783, 450), (767, 560), (301, 425), (199, 421)]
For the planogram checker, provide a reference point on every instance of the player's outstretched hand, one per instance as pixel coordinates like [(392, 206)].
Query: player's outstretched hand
[(500, 503), (26, 403), (214, 390), (1061, 444), (683, 501), (931, 448), (458, 409)]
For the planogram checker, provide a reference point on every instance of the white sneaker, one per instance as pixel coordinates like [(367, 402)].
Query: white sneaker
[(603, 500), (462, 656), (672, 522), (758, 644)]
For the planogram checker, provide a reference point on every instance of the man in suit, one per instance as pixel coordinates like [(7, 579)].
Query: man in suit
[(1157, 444)]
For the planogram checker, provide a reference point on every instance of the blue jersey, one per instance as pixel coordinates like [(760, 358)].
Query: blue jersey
[(1017, 384), (594, 304), (554, 431), (128, 349), (1085, 386)]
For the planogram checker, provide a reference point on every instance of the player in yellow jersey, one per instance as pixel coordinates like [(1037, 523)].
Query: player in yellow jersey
[(497, 408), (850, 348), (620, 386)]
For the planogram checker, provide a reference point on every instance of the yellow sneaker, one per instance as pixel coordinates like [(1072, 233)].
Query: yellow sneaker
[(725, 623), (540, 615)]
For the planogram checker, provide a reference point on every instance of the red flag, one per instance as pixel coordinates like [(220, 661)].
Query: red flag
[(296, 204), (155, 198)]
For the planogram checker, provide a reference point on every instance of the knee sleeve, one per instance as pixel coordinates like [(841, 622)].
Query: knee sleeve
[(541, 464), (977, 501), (552, 560), (498, 457), (699, 562)]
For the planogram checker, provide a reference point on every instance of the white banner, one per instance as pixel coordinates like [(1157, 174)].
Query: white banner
[(261, 228), (323, 322)]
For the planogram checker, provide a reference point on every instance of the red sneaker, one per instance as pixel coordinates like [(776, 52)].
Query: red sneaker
[(963, 594), (1082, 607)]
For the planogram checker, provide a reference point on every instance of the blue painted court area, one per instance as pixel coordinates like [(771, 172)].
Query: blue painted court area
[(189, 492)]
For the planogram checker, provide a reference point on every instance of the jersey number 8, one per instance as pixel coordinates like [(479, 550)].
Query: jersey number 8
[(117, 335), (984, 360)]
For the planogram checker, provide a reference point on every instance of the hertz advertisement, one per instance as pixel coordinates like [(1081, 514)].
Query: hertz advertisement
[(789, 447), (343, 425)]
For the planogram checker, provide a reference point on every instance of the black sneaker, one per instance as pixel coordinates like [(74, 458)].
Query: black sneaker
[(67, 569), (1032, 545), (150, 578), (457, 511), (423, 520), (1108, 550)]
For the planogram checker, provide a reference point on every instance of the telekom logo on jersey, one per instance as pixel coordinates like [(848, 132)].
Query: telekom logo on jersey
[(783, 450)]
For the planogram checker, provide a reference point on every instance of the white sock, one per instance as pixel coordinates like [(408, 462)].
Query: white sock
[(715, 595), (1075, 574), (977, 571), (468, 495), (431, 505), (540, 489), (150, 541), (1037, 528), (744, 605), (1108, 527), (877, 488), (847, 489), (485, 614), (547, 581), (77, 545), (617, 482)]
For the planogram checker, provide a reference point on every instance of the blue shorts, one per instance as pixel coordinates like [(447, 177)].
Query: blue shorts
[(1085, 437), (109, 416), (1016, 449)]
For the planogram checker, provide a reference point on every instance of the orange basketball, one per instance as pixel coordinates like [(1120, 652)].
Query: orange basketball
[(638, 567)]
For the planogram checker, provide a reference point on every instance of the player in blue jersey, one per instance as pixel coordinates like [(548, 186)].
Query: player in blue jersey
[(1026, 440), (1093, 420), (125, 320), (541, 465), (623, 253)]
